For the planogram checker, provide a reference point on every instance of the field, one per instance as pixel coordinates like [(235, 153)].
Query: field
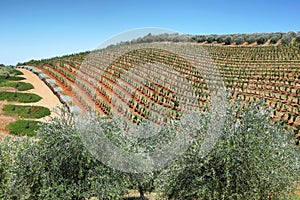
[(250, 73), (254, 158)]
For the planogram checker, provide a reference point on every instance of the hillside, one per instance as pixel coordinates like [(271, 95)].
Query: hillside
[(250, 72)]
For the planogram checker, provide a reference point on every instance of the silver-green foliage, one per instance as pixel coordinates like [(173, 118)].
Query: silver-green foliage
[(253, 159), (55, 166)]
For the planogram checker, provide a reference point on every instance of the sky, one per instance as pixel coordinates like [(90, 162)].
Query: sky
[(35, 29)]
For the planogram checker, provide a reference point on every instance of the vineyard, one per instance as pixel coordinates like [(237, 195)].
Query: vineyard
[(236, 151), (157, 84)]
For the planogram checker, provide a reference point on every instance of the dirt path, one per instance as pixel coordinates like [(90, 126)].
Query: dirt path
[(48, 100)]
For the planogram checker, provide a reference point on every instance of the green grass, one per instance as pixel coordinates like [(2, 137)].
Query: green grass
[(9, 70), (15, 72), (23, 127), (26, 111), (21, 86), (19, 97), (11, 78)]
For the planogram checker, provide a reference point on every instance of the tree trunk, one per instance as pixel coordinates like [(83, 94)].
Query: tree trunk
[(141, 191)]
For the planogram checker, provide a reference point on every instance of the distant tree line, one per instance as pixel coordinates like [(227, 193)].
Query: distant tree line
[(227, 39)]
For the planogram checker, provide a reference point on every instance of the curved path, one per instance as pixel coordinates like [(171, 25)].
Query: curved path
[(48, 100)]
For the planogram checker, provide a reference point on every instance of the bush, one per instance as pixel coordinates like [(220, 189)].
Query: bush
[(200, 39), (253, 159), (292, 34), (262, 39), (251, 39), (210, 39), (274, 39), (298, 38), (220, 39), (58, 166), (228, 40), (286, 39), (239, 40)]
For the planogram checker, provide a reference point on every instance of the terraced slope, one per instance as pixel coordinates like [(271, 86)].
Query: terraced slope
[(249, 73)]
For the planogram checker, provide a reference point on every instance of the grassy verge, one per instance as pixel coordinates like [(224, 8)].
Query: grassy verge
[(23, 127), (11, 78), (9, 70), (21, 86), (26, 111), (15, 72), (19, 97)]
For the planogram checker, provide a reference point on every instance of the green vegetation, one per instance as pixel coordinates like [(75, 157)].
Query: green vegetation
[(253, 159), (9, 70), (23, 127), (26, 111), (10, 78), (260, 38), (57, 166), (15, 72), (21, 86), (19, 97)]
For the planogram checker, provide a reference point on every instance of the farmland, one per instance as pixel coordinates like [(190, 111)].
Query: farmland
[(250, 73), (157, 80)]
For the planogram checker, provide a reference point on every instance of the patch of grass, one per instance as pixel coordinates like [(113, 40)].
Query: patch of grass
[(15, 72), (26, 111), (23, 127), (11, 78), (21, 86), (10, 70), (19, 97)]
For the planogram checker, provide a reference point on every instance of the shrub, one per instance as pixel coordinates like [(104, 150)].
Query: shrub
[(286, 39), (251, 39), (58, 166), (228, 40), (201, 39), (274, 39), (253, 159), (220, 39), (262, 39), (210, 39), (74, 172), (292, 34), (239, 40)]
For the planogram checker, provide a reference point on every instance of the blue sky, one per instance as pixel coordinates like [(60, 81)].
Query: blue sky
[(34, 29)]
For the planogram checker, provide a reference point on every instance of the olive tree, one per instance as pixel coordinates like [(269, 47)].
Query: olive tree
[(228, 40), (57, 165), (239, 40), (251, 39), (262, 39), (298, 37), (253, 159), (287, 38), (275, 38)]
